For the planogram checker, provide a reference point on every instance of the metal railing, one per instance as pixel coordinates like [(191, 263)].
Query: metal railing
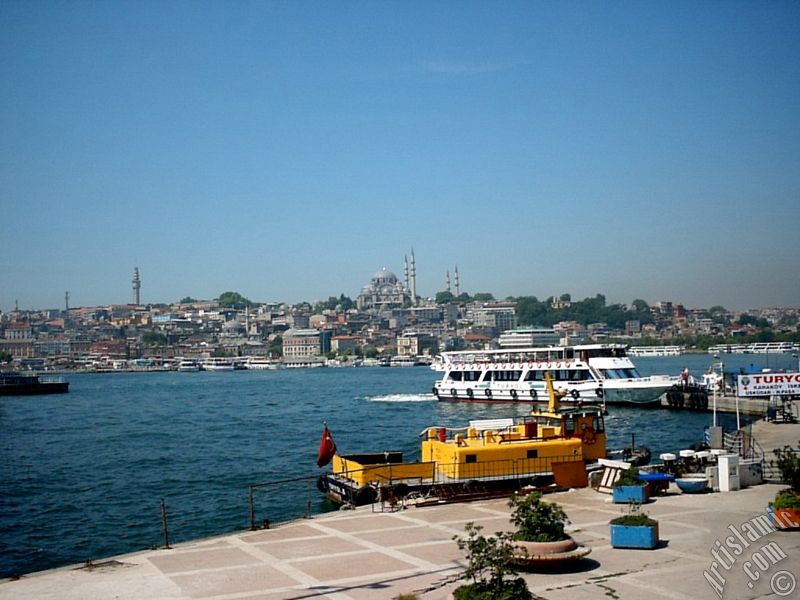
[(273, 484)]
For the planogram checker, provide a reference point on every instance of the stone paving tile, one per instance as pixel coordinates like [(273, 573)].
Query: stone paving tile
[(281, 533), (321, 546), (367, 522), (214, 558), (436, 553), (232, 581), (353, 565), (455, 512), (407, 535)]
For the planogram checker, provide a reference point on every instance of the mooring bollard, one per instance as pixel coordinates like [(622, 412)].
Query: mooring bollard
[(164, 524)]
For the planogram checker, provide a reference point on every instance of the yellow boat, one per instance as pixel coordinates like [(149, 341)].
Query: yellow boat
[(486, 457)]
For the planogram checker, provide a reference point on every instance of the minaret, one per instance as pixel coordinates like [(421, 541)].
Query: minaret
[(66, 304), (413, 278), (137, 285), (405, 272), (458, 287), (447, 281)]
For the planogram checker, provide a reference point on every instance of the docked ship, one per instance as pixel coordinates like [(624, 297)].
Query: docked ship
[(490, 457), (15, 384), (655, 351), (592, 373)]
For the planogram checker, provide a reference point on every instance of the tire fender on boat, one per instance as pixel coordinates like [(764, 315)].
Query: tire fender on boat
[(575, 394), (365, 495), (514, 395), (533, 393), (599, 392), (469, 392), (453, 392), (488, 392)]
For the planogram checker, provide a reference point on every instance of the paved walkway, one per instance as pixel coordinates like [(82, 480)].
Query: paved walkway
[(352, 555)]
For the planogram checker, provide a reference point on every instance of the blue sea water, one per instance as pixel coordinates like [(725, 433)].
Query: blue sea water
[(83, 473)]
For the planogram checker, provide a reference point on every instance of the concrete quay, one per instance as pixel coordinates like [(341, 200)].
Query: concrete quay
[(369, 554)]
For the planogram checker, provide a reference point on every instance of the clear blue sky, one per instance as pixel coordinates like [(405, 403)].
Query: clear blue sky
[(288, 150)]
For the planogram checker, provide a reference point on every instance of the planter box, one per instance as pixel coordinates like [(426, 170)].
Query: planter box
[(785, 518), (634, 536), (630, 493)]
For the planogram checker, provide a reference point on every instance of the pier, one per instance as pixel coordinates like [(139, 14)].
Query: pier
[(374, 554)]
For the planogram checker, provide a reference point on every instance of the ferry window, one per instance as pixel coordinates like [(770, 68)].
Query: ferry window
[(472, 375), (598, 424), (455, 375), (533, 454), (471, 458), (569, 426), (533, 376)]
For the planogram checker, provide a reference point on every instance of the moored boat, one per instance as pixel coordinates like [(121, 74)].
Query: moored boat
[(592, 373), (188, 365), (16, 384), (492, 456)]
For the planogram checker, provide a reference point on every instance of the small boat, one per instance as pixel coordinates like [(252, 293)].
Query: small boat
[(218, 364), (188, 365), (16, 384), (488, 457)]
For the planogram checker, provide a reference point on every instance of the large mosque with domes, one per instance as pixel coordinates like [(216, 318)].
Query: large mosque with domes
[(385, 291)]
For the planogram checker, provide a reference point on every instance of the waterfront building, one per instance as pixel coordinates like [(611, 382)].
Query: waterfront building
[(493, 316), (415, 343), (529, 337), (343, 343), (302, 343)]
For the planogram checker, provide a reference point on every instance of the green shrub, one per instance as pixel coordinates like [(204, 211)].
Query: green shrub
[(536, 520), (634, 517), (787, 499), (628, 477), (788, 463), (489, 566)]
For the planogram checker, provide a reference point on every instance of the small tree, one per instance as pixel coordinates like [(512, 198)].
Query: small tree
[(537, 521), (787, 460), (489, 567)]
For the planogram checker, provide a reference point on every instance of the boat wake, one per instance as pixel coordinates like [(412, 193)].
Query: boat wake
[(402, 398)]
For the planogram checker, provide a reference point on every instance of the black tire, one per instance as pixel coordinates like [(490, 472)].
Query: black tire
[(534, 393), (365, 495), (488, 392), (599, 392), (575, 394), (469, 392), (435, 391), (453, 392), (401, 490), (514, 395)]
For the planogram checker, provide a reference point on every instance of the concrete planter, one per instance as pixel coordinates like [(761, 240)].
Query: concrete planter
[(634, 536), (630, 493)]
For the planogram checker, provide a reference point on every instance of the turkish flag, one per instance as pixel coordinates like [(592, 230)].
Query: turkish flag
[(327, 448)]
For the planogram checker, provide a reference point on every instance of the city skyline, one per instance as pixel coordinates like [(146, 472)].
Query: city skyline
[(289, 151)]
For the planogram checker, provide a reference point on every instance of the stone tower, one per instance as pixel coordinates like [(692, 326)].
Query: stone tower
[(137, 285)]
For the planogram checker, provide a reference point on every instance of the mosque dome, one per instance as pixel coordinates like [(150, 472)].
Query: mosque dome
[(384, 276)]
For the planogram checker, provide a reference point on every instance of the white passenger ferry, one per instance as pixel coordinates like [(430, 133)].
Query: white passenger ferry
[(589, 373), (651, 351)]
